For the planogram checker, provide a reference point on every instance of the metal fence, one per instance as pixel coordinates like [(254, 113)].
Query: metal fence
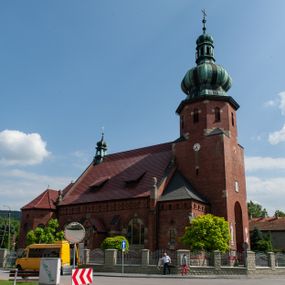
[(201, 258), (130, 257), (280, 259), (261, 259), (155, 256), (195, 258), (97, 256), (233, 258)]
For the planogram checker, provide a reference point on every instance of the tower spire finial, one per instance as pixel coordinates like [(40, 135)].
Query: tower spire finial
[(101, 149), (204, 20)]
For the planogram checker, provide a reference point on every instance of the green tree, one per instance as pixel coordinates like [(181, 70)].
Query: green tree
[(114, 242), (207, 232), (264, 245), (48, 234), (279, 213), (4, 232), (260, 241), (255, 210), (255, 237)]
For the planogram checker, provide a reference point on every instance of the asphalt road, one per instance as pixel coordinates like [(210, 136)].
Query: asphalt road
[(131, 279), (100, 280)]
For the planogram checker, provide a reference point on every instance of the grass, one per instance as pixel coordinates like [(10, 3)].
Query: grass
[(6, 282)]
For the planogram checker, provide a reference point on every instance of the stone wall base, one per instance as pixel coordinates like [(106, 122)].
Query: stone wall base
[(153, 269)]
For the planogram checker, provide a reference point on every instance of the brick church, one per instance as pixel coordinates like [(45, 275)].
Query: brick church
[(150, 194)]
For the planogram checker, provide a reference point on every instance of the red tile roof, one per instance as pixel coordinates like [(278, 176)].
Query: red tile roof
[(67, 188), (45, 200), (121, 175), (268, 224)]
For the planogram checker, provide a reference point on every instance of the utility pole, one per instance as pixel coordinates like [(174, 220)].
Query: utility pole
[(9, 226)]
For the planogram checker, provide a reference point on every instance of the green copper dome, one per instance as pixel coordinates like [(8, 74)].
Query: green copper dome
[(207, 78), (204, 38)]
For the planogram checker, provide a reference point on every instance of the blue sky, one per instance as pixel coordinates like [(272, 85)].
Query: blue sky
[(69, 68)]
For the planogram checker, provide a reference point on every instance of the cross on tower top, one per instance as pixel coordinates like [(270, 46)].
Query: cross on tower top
[(204, 20)]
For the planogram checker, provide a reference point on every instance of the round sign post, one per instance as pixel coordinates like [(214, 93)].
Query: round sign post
[(74, 233)]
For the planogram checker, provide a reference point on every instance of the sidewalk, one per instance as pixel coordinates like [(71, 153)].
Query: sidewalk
[(4, 275), (171, 276)]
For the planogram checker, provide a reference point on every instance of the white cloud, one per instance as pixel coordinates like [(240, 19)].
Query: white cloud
[(82, 159), (270, 193), (20, 187), (277, 137), (255, 163), (18, 148), (271, 103), (282, 102), (266, 188), (279, 102)]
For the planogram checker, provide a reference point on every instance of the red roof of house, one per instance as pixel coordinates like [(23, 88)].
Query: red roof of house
[(45, 200), (121, 175), (268, 224)]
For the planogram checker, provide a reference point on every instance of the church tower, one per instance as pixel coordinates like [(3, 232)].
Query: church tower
[(208, 153)]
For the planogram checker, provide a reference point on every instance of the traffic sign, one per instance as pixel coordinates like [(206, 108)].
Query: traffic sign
[(123, 247), (82, 276)]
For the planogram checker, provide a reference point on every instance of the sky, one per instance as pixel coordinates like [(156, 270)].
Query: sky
[(69, 68)]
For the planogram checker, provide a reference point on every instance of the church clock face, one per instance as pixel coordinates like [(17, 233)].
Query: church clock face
[(196, 147)]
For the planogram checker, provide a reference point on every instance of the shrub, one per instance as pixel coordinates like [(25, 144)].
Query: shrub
[(207, 232), (114, 243)]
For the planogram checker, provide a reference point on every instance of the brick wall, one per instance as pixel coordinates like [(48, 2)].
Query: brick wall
[(217, 170), (30, 219)]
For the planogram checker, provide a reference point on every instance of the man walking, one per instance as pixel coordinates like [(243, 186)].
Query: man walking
[(166, 260)]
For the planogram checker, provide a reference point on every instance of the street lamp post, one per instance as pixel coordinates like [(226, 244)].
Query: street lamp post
[(9, 226)]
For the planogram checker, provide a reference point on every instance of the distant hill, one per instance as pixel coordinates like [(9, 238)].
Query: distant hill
[(14, 214)]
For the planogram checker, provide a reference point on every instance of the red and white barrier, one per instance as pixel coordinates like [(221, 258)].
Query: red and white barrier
[(82, 276)]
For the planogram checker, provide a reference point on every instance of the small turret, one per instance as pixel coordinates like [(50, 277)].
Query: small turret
[(101, 151), (60, 197)]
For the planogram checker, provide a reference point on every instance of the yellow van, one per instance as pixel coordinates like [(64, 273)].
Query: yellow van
[(31, 257)]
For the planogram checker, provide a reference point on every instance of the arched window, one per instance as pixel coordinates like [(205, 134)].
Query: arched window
[(238, 227), (136, 231), (217, 114), (208, 51), (195, 116)]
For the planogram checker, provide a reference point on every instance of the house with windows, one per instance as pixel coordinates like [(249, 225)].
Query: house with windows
[(150, 194)]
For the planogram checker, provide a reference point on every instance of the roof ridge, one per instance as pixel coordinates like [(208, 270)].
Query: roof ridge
[(38, 199), (41, 198), (139, 149), (49, 197)]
